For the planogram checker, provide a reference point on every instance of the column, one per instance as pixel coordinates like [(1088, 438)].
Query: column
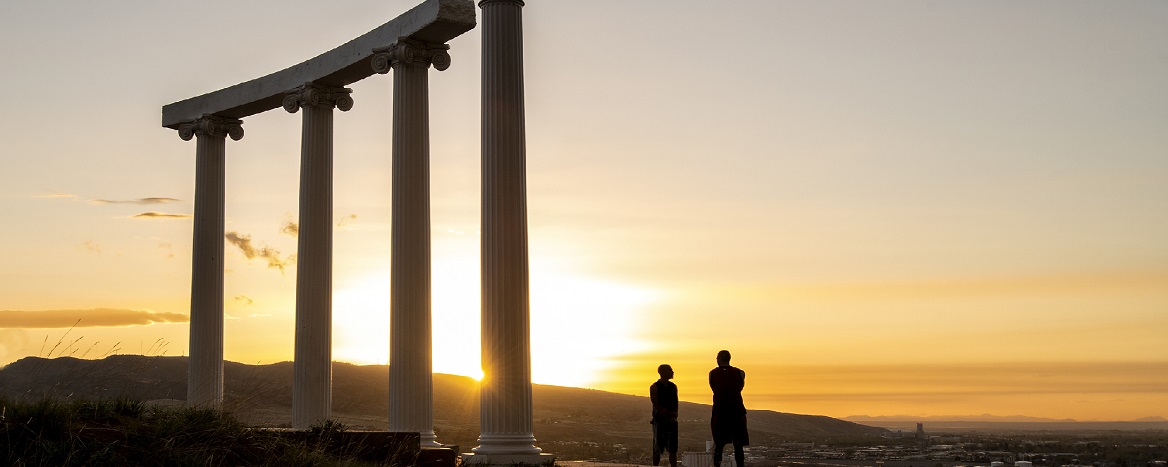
[(410, 364), (205, 364), (312, 365), (506, 436)]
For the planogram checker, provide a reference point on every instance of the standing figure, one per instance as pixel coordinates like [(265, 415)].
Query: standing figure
[(663, 393), (728, 420)]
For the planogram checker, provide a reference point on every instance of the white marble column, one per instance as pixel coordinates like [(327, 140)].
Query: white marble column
[(205, 364), (411, 403), (506, 435), (312, 366)]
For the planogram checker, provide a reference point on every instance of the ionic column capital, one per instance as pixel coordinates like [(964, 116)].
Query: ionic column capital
[(318, 95), (411, 52), (212, 125), (483, 3)]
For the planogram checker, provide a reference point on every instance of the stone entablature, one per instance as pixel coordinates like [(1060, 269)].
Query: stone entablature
[(433, 21)]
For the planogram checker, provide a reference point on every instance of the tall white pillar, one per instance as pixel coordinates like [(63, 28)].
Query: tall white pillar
[(312, 366), (205, 364), (411, 403), (506, 435)]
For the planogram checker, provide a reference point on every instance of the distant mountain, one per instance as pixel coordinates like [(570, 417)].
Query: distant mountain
[(985, 417), (1002, 424), (566, 419)]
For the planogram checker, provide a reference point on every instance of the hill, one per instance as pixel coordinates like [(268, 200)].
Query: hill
[(585, 422), (1004, 424)]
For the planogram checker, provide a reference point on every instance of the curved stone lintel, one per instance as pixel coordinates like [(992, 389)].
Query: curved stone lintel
[(433, 21)]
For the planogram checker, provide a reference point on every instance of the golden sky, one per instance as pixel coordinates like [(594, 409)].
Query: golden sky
[(879, 208)]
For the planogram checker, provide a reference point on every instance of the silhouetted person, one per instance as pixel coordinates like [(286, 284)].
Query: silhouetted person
[(728, 420), (663, 393)]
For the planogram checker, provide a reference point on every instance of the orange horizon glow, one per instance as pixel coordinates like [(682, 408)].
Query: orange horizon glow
[(877, 207)]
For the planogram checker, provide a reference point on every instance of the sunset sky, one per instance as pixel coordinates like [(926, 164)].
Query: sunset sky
[(880, 208)]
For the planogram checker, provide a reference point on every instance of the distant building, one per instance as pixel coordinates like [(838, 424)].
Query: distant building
[(920, 433), (706, 459)]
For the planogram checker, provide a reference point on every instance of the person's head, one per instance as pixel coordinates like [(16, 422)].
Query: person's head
[(665, 371), (723, 357)]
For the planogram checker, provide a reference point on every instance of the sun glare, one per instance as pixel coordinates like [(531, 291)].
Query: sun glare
[(361, 321), (579, 325)]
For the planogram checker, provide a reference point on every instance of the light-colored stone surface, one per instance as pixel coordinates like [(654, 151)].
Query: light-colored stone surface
[(312, 367), (411, 406), (317, 86), (205, 365), (433, 21), (506, 417)]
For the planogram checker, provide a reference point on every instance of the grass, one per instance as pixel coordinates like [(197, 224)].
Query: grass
[(126, 432)]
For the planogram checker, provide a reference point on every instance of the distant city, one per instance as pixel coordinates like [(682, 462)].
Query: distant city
[(1019, 449), (921, 448)]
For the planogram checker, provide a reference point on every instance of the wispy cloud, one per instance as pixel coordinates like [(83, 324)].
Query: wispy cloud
[(160, 215), (1072, 283), (65, 196), (169, 247), (94, 317), (92, 247), (271, 255), (290, 228), (135, 201), (349, 219)]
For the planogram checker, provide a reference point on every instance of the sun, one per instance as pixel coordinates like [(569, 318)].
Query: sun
[(361, 320), (580, 325)]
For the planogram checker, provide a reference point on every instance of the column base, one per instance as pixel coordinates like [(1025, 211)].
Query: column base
[(509, 460), (429, 439)]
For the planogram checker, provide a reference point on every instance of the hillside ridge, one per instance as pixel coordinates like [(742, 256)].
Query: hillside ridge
[(261, 395)]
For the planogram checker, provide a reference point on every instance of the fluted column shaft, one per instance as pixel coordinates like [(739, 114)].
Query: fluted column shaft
[(410, 361), (205, 364), (312, 367), (506, 417)]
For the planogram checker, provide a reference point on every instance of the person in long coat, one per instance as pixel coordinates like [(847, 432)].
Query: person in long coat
[(728, 420)]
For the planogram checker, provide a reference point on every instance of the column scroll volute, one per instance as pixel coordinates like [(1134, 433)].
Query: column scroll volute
[(410, 52), (318, 95), (212, 125)]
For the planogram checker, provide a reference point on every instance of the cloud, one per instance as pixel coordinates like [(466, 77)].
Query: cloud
[(272, 255), (136, 201), (954, 288), (92, 247), (347, 220), (293, 229), (57, 196), (95, 317), (169, 247), (11, 340), (160, 215)]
